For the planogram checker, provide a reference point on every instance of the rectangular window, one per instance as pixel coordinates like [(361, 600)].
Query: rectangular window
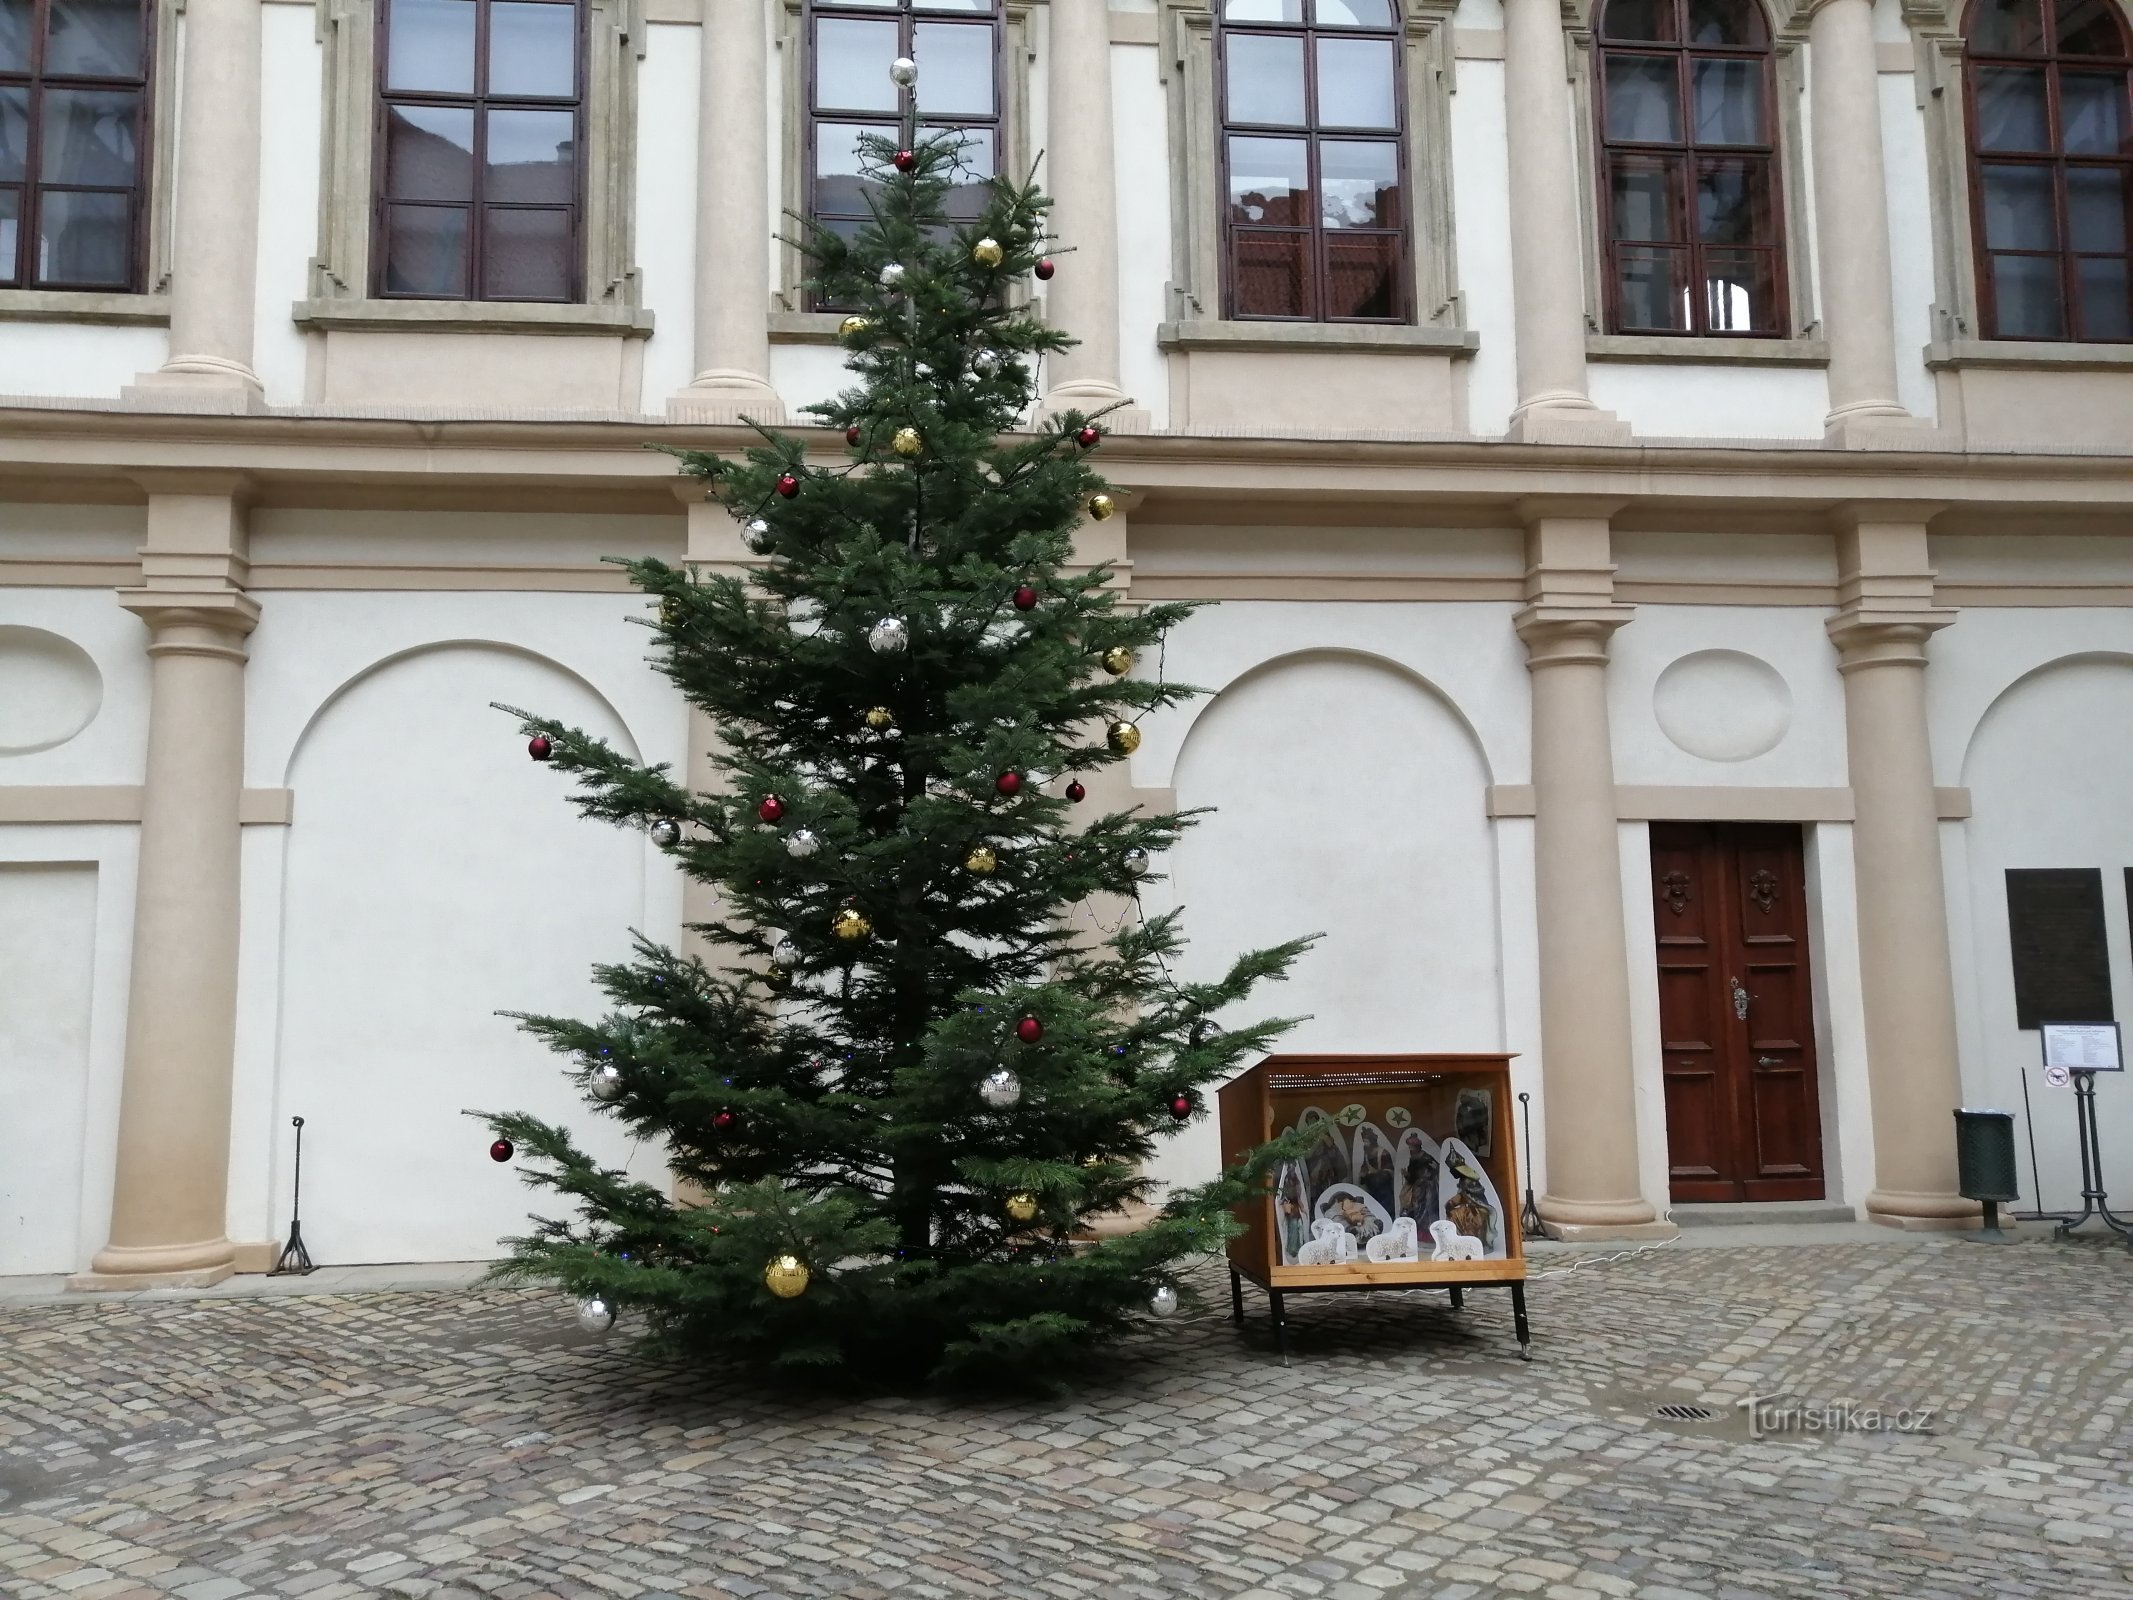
[(480, 165), (74, 80), (2062, 966)]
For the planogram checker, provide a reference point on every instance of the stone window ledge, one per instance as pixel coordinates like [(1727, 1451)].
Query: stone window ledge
[(1370, 338), (1706, 351), (75, 305), (804, 327), (2036, 355), (470, 316)]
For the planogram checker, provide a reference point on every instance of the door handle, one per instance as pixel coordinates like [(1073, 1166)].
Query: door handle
[(1768, 1061), (1740, 999)]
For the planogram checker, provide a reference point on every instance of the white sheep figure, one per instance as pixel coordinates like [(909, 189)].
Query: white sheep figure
[(1452, 1245), (1331, 1245), (1398, 1245)]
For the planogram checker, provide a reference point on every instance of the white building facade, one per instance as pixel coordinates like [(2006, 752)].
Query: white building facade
[(1666, 467)]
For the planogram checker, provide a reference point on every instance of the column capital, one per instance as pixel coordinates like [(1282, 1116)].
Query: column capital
[(1557, 635), (1884, 636), (186, 621)]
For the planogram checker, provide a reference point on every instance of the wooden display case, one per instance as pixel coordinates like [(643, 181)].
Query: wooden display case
[(1426, 1137)]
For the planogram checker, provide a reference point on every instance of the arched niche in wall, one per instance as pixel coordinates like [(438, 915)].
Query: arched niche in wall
[(435, 876)]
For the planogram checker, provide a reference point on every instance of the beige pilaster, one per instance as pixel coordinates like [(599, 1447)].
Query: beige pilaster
[(215, 244), (733, 222), (1588, 1093), (1082, 297), (716, 544), (1547, 236), (1851, 221), (170, 1192), (1886, 613)]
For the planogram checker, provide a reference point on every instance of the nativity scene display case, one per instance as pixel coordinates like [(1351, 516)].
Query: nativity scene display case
[(1408, 1180)]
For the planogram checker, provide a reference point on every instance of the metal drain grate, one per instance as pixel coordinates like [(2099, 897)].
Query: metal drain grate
[(1675, 1412)]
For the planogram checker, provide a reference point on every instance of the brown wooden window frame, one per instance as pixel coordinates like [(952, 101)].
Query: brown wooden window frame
[(908, 16), (2057, 161), (30, 191), (1315, 135), (479, 102), (1689, 155)]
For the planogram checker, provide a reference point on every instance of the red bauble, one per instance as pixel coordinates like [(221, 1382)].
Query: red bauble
[(905, 160), (539, 748), (1029, 1030), (771, 809), (1181, 1106), (1025, 598), (1045, 268), (501, 1150), (788, 486), (721, 1121), (1087, 436), (851, 434), (1074, 791), (1008, 782)]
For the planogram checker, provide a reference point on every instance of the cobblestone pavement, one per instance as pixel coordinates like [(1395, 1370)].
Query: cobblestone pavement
[(466, 1443)]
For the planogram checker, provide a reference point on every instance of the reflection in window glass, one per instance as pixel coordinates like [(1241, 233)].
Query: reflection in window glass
[(1264, 73), (532, 48), (1355, 78), (430, 46)]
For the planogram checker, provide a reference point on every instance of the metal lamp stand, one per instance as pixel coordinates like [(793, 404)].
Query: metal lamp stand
[(1529, 1217), (295, 1259)]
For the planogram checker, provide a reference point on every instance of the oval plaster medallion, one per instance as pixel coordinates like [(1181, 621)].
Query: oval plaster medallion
[(49, 690), (1723, 705)]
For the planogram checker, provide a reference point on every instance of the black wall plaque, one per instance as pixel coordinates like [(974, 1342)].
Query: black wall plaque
[(2062, 966)]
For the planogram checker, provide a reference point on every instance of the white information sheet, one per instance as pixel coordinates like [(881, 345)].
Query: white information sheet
[(2082, 1046)]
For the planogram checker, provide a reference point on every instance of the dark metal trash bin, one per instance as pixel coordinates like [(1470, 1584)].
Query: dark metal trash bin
[(1985, 1162)]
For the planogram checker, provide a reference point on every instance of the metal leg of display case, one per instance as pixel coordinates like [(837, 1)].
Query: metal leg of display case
[(1236, 1296), (1458, 1297), (1518, 1322), (1281, 1324)]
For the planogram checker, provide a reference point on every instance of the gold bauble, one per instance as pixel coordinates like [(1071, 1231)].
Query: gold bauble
[(852, 325), (987, 253), (1123, 737), (1101, 506), (1118, 661), (907, 442), (670, 612), (1022, 1206), (981, 861), (786, 1276), (880, 718), (850, 924)]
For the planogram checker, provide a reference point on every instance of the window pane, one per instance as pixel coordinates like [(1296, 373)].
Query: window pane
[(1266, 79), (2092, 114), (1270, 275), (954, 68), (1729, 101), (430, 45), (2011, 110), (17, 18), (2007, 28), (2089, 28), (426, 251), (429, 153), (1733, 202), (1735, 23), (14, 135), (1353, 13), (852, 64), (2018, 208), (1290, 11), (525, 255), (533, 49), (532, 155), (971, 190), (82, 238), (2096, 208), (1651, 287), (1639, 19), (1270, 181), (1739, 291), (94, 38), (1355, 83), (1643, 99), (2025, 298), (839, 189), (1358, 185), (88, 136), (1645, 199), (937, 5), (1362, 275), (2106, 299), (10, 235)]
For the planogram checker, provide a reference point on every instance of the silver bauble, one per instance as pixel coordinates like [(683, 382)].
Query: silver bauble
[(758, 527), (595, 1315), (1164, 1302), (785, 953), (605, 1081), (904, 71), (892, 274), (1000, 1089), (802, 843), (891, 636), (666, 833), (1138, 862), (985, 361)]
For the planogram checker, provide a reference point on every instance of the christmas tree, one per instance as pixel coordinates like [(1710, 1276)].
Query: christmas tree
[(910, 1082)]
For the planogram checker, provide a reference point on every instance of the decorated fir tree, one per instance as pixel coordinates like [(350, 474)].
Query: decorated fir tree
[(909, 1083)]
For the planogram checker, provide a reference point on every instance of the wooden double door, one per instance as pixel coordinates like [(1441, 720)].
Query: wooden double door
[(1736, 1011)]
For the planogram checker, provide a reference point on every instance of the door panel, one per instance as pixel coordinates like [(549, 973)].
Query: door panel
[(1730, 917)]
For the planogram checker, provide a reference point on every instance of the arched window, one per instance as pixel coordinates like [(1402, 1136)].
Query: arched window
[(956, 44), (2051, 166), (1689, 199), (1315, 224)]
